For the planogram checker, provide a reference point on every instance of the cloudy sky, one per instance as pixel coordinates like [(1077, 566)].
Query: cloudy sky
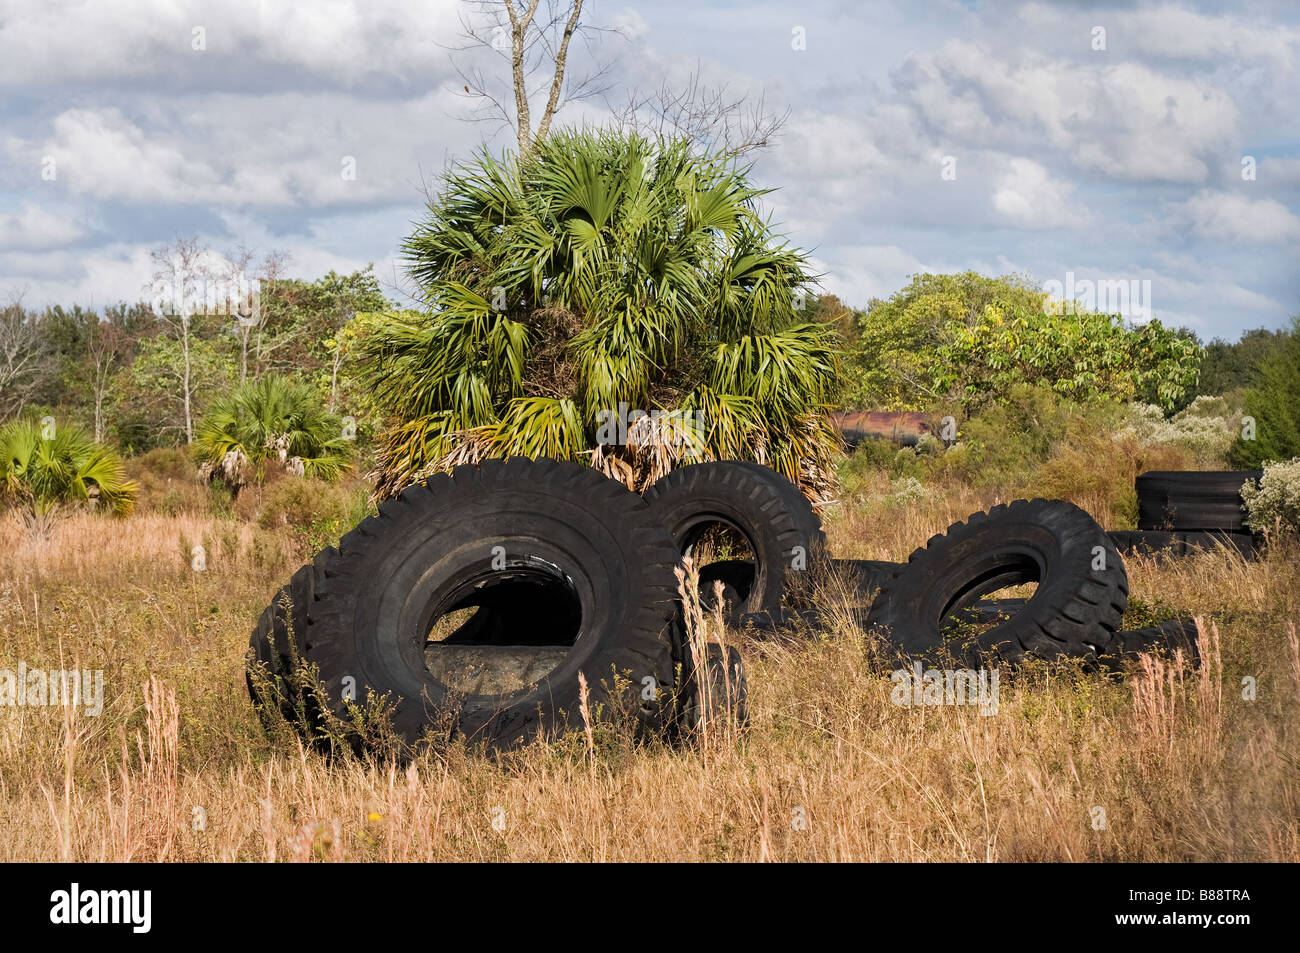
[(1109, 142)]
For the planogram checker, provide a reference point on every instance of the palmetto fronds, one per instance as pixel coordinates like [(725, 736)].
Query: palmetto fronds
[(45, 466), (606, 270), (270, 420)]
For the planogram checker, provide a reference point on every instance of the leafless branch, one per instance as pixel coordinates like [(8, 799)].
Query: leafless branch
[(532, 40), (24, 357), (712, 116)]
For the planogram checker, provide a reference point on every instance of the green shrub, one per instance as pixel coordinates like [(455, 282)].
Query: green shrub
[(167, 462), (168, 482), (1273, 401), (318, 513), (969, 338), (1038, 443), (270, 423), (47, 466)]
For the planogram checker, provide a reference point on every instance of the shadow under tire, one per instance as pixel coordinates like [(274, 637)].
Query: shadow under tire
[(433, 548), (1079, 602)]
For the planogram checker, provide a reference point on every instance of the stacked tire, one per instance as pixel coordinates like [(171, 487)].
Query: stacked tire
[(1192, 501), (1181, 512), (509, 600)]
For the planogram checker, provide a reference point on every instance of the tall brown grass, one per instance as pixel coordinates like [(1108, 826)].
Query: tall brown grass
[(178, 767)]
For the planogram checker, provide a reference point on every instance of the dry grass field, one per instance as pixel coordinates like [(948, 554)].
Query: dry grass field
[(178, 767)]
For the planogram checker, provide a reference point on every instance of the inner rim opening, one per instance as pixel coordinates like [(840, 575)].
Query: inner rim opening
[(502, 630), (992, 597), (722, 553), (518, 605)]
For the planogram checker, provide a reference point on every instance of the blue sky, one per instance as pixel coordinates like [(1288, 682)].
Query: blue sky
[(1116, 164)]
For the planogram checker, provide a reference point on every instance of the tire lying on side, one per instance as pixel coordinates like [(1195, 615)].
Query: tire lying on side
[(717, 691), (865, 575), (737, 578), (1182, 542), (861, 576), (508, 533), (1081, 594), (1192, 499), (1170, 636), (775, 520)]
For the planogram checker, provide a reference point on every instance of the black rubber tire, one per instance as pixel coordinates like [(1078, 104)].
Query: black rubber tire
[(800, 505), (1158, 543), (866, 575), (821, 621), (275, 646), (434, 544), (726, 684), (1192, 499), (751, 499), (1168, 636), (1074, 609), (737, 579)]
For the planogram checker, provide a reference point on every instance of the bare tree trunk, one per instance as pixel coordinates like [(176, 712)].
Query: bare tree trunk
[(189, 418), (334, 374), (518, 32), (539, 42), (557, 81), (179, 269)]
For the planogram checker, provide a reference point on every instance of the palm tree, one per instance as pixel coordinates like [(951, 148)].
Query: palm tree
[(603, 273), (274, 421), (46, 468)]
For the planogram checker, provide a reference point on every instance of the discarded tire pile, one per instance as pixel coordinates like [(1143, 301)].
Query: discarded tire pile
[(1184, 511), (475, 599), (511, 599), (935, 602)]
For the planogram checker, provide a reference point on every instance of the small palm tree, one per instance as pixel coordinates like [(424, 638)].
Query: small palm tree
[(47, 468), (603, 273), (270, 421)]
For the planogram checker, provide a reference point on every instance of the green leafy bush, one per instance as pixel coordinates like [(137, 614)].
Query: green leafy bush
[(271, 421), (1273, 402), (602, 270), (1205, 428), (46, 466), (968, 338), (317, 513)]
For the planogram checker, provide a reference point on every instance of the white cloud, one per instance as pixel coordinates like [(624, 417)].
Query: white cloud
[(243, 151), (1282, 170), (99, 153), (341, 42), (34, 227), (1027, 195), (860, 272), (1121, 119), (1227, 216), (1170, 31)]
